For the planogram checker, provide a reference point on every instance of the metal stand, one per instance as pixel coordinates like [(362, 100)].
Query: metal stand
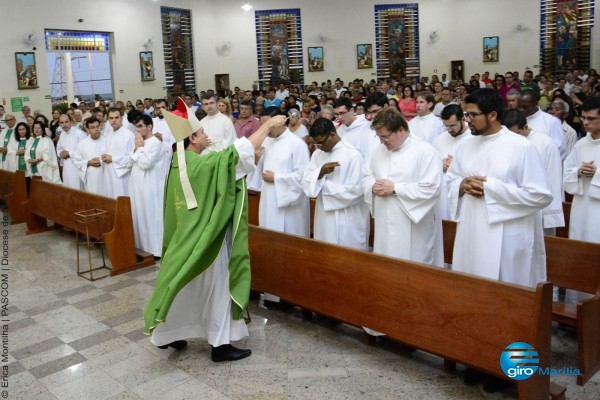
[(86, 221)]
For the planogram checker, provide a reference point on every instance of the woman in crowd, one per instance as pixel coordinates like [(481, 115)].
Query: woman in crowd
[(393, 103), (40, 155), (224, 107), (42, 118), (54, 126), (235, 108), (408, 104), (16, 149)]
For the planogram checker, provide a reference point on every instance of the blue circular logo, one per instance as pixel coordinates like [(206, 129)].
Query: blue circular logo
[(519, 361)]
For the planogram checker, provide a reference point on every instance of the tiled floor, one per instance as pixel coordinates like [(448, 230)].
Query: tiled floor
[(73, 339)]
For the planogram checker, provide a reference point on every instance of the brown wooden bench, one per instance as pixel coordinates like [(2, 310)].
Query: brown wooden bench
[(13, 190), (573, 264), (48, 201), (462, 318)]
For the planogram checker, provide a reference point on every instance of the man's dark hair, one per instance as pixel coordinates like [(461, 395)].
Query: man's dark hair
[(115, 109), (271, 111), (158, 101), (145, 118), (321, 127), (378, 98), (343, 101), (533, 93), (90, 120), (248, 103), (514, 117), (591, 103), (450, 110), (133, 115), (487, 100)]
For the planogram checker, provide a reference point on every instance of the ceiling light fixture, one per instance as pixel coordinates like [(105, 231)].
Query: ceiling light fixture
[(247, 6)]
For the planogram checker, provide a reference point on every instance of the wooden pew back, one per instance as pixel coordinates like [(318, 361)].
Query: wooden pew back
[(573, 264), (456, 316), (13, 190)]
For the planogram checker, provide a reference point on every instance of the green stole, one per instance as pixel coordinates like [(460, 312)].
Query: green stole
[(6, 140), (34, 169), (192, 239), (21, 158)]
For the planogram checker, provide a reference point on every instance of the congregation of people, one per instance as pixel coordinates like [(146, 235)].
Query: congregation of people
[(496, 154)]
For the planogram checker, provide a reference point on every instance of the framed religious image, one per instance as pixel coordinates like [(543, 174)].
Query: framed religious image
[(364, 56), (315, 59), (490, 49), (26, 70), (147, 66)]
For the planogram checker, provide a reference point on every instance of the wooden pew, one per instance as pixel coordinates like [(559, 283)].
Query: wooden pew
[(48, 201), (573, 264), (459, 317), (13, 190)]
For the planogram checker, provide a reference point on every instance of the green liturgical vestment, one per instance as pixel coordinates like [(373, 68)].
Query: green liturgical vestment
[(193, 238)]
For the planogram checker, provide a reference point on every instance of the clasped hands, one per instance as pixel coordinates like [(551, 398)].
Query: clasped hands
[(473, 185), (383, 187)]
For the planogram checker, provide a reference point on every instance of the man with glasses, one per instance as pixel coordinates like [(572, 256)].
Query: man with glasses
[(402, 188), (497, 188), (366, 140), (334, 177), (351, 125), (509, 83), (146, 187), (581, 178), (7, 137)]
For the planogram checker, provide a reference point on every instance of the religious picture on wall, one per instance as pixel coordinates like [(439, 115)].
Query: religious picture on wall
[(147, 66), (397, 40), (490, 49), (26, 70), (315, 59), (364, 56), (566, 33), (280, 72)]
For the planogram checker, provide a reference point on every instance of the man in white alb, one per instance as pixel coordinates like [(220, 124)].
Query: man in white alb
[(217, 126), (87, 158), (119, 146), (425, 125), (65, 148)]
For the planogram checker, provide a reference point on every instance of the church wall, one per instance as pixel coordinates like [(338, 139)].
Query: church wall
[(461, 25)]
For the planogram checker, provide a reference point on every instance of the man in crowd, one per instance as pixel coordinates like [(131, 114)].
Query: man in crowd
[(512, 98), (247, 123), (87, 158), (352, 125), (446, 100), (425, 125), (447, 142), (402, 188), (217, 126), (283, 205), (119, 146), (162, 131), (552, 215), (7, 136), (560, 109), (497, 186), (509, 83), (146, 187), (65, 148), (334, 177), (541, 121)]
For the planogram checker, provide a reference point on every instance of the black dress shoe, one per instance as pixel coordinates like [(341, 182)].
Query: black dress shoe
[(473, 377), (227, 352), (177, 345), (494, 385)]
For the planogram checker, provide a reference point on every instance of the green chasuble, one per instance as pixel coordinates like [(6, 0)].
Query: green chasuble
[(193, 238)]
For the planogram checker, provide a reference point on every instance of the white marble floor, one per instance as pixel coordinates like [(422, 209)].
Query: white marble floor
[(69, 338)]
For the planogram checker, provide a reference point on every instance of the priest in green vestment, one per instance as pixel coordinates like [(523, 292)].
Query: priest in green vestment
[(203, 283)]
